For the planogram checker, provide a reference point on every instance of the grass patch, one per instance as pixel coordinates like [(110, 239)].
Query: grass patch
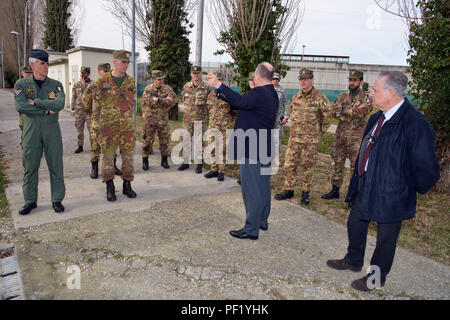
[(4, 206)]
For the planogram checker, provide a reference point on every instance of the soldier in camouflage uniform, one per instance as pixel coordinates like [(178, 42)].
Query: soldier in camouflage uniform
[(221, 117), (283, 110), (310, 117), (25, 72), (157, 100), (115, 98), (195, 95), (77, 104), (351, 108)]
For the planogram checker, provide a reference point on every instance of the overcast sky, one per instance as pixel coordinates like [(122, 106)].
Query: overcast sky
[(355, 28)]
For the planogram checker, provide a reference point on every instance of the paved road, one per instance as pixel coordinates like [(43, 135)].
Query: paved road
[(172, 241)]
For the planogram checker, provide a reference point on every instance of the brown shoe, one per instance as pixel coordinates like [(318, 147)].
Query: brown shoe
[(361, 284), (342, 265)]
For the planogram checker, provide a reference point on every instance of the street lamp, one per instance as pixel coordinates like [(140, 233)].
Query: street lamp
[(303, 54), (18, 49)]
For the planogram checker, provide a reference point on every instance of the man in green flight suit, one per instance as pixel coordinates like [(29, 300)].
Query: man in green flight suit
[(39, 99)]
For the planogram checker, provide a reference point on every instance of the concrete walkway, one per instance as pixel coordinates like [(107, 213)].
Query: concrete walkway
[(172, 241)]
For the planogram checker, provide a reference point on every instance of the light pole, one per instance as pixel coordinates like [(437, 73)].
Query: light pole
[(303, 54), (18, 49)]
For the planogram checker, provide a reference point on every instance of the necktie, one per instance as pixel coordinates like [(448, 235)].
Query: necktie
[(371, 141)]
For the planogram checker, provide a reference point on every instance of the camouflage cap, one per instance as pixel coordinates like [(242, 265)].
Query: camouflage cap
[(276, 76), (157, 74), (218, 74), (85, 69), (104, 66), (251, 76), (26, 69), (355, 74), (121, 55), (305, 74), (196, 69)]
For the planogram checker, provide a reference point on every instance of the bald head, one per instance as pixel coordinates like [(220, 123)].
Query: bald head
[(263, 74)]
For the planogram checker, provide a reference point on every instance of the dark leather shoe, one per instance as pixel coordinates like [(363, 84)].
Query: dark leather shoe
[(79, 149), (145, 164), (361, 284), (183, 167), (199, 168), (221, 176), (333, 194), (27, 208), (241, 234), (341, 264), (94, 171), (110, 191), (58, 207), (286, 194), (264, 229), (211, 174), (164, 163), (305, 198), (127, 189)]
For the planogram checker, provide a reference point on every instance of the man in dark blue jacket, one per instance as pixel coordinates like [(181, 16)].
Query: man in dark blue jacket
[(252, 145), (396, 160)]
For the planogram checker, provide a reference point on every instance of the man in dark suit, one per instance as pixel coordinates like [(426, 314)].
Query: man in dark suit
[(396, 160), (252, 138)]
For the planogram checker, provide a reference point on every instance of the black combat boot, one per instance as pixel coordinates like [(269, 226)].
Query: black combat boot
[(79, 149), (117, 172), (164, 162), (333, 194), (211, 174), (145, 164), (199, 168), (286, 194), (127, 189), (58, 207), (183, 167), (221, 176), (110, 191), (305, 198), (94, 171)]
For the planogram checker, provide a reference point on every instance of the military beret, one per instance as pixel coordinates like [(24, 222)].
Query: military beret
[(85, 69), (251, 76), (104, 66), (39, 54), (121, 55), (276, 76), (355, 74), (196, 69), (219, 75), (26, 69), (305, 74), (157, 74)]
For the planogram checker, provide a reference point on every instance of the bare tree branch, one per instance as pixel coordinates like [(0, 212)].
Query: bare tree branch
[(408, 10)]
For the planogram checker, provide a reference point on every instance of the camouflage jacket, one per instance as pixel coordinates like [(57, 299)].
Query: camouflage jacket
[(88, 102), (195, 99), (351, 112), (221, 115), (77, 95), (115, 105), (283, 110), (156, 103), (310, 115)]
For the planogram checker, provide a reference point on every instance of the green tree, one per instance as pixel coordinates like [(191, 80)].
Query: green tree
[(429, 65), (58, 34)]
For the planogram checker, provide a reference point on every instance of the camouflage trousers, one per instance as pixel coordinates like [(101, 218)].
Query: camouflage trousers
[(306, 153), (21, 122), (109, 145), (343, 147), (220, 165), (95, 145), (188, 124), (80, 118), (150, 130), (280, 127)]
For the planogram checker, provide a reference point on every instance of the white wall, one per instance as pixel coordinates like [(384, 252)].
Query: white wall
[(59, 72)]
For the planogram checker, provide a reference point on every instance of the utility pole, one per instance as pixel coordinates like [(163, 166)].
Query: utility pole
[(198, 53), (18, 49), (133, 56), (3, 69), (25, 35)]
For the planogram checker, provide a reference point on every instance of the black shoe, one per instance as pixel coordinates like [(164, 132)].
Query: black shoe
[(241, 234), (164, 162), (94, 171), (199, 168), (333, 194), (183, 167), (211, 174), (361, 284), (221, 176), (238, 182), (127, 189), (341, 264), (27, 208), (110, 191), (58, 207), (264, 229), (117, 172), (286, 194), (145, 164), (305, 198), (79, 149)]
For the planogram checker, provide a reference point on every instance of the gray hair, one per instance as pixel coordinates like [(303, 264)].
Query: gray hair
[(32, 60), (265, 70), (397, 81)]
